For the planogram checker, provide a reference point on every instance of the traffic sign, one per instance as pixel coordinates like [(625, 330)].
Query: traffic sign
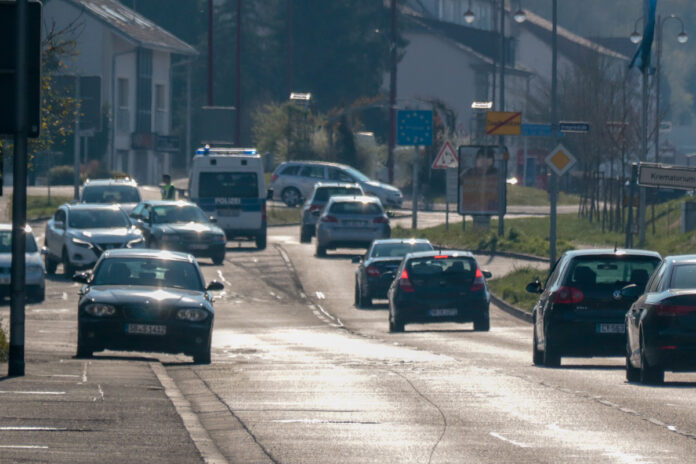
[(655, 175), (414, 127), (503, 123), (575, 127), (560, 160), (536, 130), (446, 158)]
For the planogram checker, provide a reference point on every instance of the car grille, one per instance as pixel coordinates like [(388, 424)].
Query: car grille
[(146, 313), (109, 246)]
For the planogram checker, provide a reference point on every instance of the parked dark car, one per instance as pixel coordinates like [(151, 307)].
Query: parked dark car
[(661, 324), (378, 267), (437, 286), (581, 309), (180, 226), (145, 300)]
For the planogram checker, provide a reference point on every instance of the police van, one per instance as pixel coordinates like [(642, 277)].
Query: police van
[(229, 185)]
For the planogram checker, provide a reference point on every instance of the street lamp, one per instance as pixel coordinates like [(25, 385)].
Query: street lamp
[(520, 16), (636, 36), (469, 15)]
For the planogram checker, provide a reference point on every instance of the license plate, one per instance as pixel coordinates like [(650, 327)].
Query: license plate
[(356, 223), (442, 312), (146, 329), (611, 328), (229, 212), (198, 246)]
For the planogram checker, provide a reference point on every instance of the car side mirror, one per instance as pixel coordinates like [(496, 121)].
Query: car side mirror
[(81, 277), (44, 251), (356, 259), (213, 219), (269, 194), (59, 224), (534, 287), (214, 286), (487, 274), (631, 292)]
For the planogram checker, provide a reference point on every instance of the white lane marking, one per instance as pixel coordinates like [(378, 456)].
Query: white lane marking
[(101, 393), (84, 373), (507, 440), (320, 296), (64, 296), (222, 277), (29, 428), (23, 447), (10, 392), (40, 310), (60, 375)]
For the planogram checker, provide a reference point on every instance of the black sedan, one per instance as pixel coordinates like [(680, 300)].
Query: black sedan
[(581, 309), (661, 324), (180, 226), (436, 286), (378, 267), (145, 300)]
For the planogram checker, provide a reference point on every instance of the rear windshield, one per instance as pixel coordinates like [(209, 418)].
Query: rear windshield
[(425, 267), (228, 185), (324, 193), (111, 194), (684, 276), (608, 273), (355, 207), (384, 250)]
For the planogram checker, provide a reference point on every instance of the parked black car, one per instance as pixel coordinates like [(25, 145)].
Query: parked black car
[(378, 267), (581, 308), (437, 286), (145, 300), (661, 324)]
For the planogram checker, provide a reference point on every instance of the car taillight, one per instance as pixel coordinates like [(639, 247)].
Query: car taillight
[(314, 207), (263, 212), (274, 176), (674, 310), (380, 220), (373, 271), (329, 219), (568, 295), (405, 284), (479, 282)]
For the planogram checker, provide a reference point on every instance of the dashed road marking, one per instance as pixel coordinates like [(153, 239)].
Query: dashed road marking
[(507, 440)]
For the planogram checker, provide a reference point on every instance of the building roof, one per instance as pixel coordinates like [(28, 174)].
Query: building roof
[(620, 45), (133, 26)]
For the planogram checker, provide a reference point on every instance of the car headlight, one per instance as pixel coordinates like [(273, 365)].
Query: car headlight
[(136, 243), (219, 238), (100, 310), (81, 243), (192, 314)]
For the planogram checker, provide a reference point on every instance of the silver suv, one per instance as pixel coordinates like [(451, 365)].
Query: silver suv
[(320, 196), (112, 191), (293, 181)]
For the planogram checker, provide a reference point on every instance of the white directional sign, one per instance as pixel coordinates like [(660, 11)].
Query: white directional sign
[(560, 160), (446, 158), (655, 175)]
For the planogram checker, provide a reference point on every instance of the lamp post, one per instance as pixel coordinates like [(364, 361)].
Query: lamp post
[(392, 95)]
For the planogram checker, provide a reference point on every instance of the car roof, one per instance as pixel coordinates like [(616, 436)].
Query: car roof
[(169, 203), (430, 254), (400, 240), (6, 226), (681, 259), (355, 199), (319, 185), (612, 251), (320, 163), (92, 206), (147, 253), (124, 181)]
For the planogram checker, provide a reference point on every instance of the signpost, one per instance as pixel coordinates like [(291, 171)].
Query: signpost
[(536, 130), (414, 128), (447, 159), (575, 127), (560, 160), (658, 176), (503, 123)]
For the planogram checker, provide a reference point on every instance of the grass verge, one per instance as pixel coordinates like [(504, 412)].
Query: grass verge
[(4, 346), (511, 287), (518, 195), (282, 216), (39, 206)]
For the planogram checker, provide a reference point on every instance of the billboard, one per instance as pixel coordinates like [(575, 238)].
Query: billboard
[(479, 180)]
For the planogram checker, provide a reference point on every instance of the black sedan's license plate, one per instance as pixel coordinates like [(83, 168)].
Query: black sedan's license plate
[(146, 329)]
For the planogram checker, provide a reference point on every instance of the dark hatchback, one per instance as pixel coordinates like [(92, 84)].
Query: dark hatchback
[(377, 268), (180, 226), (145, 300), (437, 286), (661, 324), (581, 309)]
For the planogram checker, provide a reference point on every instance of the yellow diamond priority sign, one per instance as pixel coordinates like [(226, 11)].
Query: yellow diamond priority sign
[(560, 160)]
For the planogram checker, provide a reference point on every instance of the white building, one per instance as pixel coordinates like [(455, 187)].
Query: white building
[(133, 57)]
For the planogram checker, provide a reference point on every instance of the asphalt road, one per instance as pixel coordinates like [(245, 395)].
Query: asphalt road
[(300, 375)]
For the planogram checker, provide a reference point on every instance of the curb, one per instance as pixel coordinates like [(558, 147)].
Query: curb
[(514, 311)]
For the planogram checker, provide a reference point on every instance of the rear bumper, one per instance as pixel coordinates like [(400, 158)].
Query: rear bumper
[(673, 350), (244, 233), (583, 338), (208, 252), (355, 238), (423, 311), (378, 287)]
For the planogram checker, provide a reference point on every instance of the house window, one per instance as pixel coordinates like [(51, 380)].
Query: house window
[(481, 86), (123, 111), (143, 119), (160, 110)]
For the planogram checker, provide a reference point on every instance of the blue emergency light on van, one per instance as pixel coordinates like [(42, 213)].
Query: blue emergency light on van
[(206, 150)]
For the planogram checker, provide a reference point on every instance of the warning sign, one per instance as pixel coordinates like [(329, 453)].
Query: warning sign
[(560, 160), (446, 158), (503, 123)]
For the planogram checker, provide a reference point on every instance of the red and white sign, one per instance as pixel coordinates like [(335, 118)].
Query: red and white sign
[(446, 158)]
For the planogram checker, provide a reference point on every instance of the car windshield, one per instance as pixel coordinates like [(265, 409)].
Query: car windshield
[(434, 266), (174, 213), (401, 249), (110, 194), (228, 185), (324, 193), (357, 174), (355, 207), (608, 273), (97, 219), (6, 242), (151, 272), (683, 276)]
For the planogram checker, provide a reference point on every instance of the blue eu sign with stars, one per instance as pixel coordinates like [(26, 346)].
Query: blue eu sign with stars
[(414, 128)]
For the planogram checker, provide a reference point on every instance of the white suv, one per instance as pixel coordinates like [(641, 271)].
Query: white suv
[(293, 181)]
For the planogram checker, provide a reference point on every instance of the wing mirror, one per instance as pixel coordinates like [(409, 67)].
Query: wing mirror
[(487, 274), (81, 277), (269, 194), (213, 219), (59, 224), (534, 287), (631, 292), (214, 285), (44, 251), (356, 259)]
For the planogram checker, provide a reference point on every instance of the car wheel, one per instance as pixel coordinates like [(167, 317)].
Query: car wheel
[(552, 358), (483, 323), (50, 264), (365, 300), (305, 234), (261, 241), (291, 196), (68, 268), (38, 296), (396, 325), (83, 350), (537, 354), (218, 258), (321, 251), (649, 375), (632, 373), (202, 357)]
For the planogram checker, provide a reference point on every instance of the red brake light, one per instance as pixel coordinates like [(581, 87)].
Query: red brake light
[(479, 282), (373, 271), (441, 257), (674, 310), (380, 220), (314, 207), (405, 284), (568, 295), (274, 176), (329, 219)]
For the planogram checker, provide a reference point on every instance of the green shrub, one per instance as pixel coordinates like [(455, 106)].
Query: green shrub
[(61, 175), (4, 346)]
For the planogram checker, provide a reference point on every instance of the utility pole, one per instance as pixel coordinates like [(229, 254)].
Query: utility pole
[(644, 139), (238, 79), (392, 94), (210, 52), (555, 129), (76, 141), (658, 70), (288, 49), (19, 200), (501, 140)]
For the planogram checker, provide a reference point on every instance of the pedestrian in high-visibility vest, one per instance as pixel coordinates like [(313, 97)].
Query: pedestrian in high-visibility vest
[(168, 190)]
